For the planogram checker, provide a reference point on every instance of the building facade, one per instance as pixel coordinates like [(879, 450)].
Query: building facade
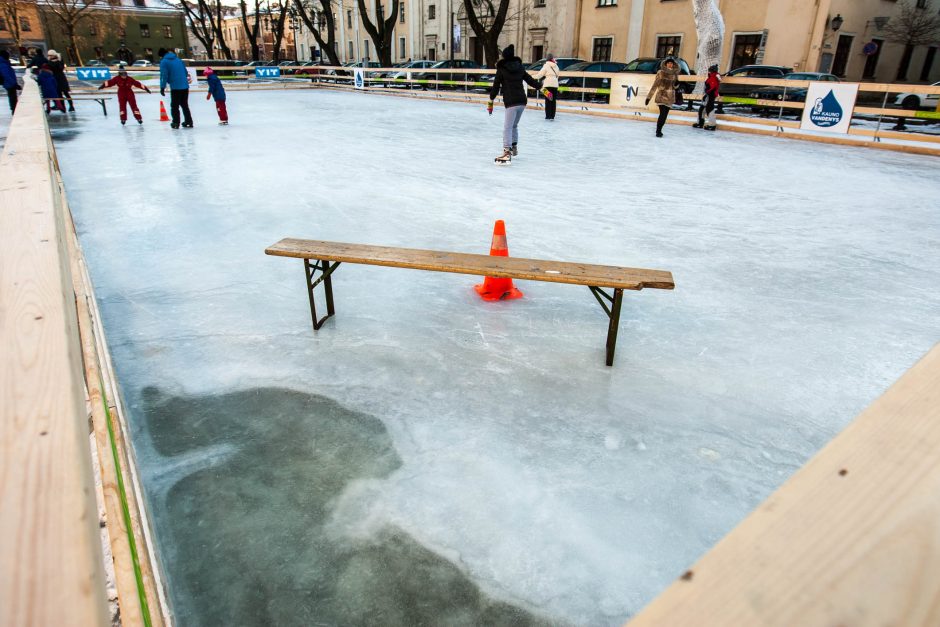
[(125, 30), (237, 39), (20, 28)]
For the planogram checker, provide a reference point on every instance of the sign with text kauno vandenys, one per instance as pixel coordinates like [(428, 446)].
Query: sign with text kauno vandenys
[(829, 107), (358, 79), (629, 91)]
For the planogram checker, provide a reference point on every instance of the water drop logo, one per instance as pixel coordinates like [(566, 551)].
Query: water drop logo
[(826, 111), (359, 81)]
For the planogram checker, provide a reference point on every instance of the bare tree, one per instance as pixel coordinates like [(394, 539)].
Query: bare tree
[(10, 12), (218, 25), (199, 18), (381, 31), (277, 27), (912, 26), (70, 14), (251, 32), (314, 21), (487, 22)]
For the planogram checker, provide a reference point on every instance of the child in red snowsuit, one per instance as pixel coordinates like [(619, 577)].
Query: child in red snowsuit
[(125, 94)]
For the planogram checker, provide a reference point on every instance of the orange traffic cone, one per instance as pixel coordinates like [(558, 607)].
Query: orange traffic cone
[(493, 288), (163, 116)]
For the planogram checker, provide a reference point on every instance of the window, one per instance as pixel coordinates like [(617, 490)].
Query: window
[(745, 50), (24, 24), (92, 30), (668, 46), (401, 13), (602, 46), (145, 30), (432, 12), (168, 31), (432, 54), (140, 3), (537, 53), (349, 20), (351, 56), (606, 3), (367, 49), (3, 25), (539, 3), (842, 54), (921, 4), (401, 47)]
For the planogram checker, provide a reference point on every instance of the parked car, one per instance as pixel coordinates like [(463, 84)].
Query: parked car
[(396, 79), (790, 94), (141, 63), (95, 63), (751, 71), (457, 64), (650, 65), (562, 62), (567, 82), (919, 101)]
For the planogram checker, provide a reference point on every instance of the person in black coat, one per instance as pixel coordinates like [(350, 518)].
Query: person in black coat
[(510, 74), (37, 60), (58, 70)]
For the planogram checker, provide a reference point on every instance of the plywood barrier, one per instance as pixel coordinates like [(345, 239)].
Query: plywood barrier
[(853, 538), (51, 571)]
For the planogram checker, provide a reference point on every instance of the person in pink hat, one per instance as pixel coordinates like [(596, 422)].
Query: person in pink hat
[(218, 92)]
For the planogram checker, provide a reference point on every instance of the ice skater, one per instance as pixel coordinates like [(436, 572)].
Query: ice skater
[(510, 75), (58, 70), (9, 80), (218, 92), (664, 88), (49, 89), (173, 73), (707, 108), (549, 74), (125, 93)]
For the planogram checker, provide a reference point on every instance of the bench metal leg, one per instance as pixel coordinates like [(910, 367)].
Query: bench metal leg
[(310, 272), (613, 312), (104, 107)]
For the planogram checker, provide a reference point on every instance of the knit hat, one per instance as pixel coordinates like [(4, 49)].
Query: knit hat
[(208, 71), (52, 53), (713, 68), (509, 52)]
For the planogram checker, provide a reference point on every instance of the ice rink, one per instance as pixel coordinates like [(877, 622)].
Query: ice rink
[(428, 458)]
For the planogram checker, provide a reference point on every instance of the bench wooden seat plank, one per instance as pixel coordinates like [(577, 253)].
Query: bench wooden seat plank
[(480, 265), (322, 258)]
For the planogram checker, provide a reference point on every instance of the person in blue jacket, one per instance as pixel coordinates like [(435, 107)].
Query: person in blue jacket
[(218, 92), (173, 73), (8, 79), (50, 89)]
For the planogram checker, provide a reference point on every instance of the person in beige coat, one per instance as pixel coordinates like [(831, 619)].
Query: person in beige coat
[(664, 88), (549, 74)]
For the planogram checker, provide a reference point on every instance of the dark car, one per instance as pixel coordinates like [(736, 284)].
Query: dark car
[(398, 79), (650, 65), (789, 94), (457, 64), (565, 83), (773, 72)]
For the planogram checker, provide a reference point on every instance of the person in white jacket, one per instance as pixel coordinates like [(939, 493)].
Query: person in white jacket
[(549, 74)]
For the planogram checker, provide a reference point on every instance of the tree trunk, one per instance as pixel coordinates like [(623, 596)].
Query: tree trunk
[(251, 33), (328, 46), (905, 62), (279, 34), (217, 27), (489, 36), (381, 31)]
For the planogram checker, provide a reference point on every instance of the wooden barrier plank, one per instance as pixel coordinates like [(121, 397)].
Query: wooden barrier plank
[(51, 572), (853, 538)]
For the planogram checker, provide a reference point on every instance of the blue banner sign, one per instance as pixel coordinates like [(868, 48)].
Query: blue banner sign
[(267, 72), (93, 73)]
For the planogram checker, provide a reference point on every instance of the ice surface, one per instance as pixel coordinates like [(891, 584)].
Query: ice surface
[(430, 458)]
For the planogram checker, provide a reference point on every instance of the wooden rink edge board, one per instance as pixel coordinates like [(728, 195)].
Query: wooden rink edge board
[(853, 538), (475, 264), (51, 571)]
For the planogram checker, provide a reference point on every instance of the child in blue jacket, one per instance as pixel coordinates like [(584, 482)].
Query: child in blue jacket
[(218, 92), (49, 89)]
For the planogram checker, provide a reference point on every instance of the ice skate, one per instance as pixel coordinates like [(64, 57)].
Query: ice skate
[(140, 121), (187, 124), (698, 125), (505, 158), (123, 122), (710, 127), (174, 125), (514, 150), (223, 123)]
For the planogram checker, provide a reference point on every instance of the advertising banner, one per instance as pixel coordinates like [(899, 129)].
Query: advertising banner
[(358, 79), (829, 107), (93, 73), (191, 75), (267, 72), (628, 91)]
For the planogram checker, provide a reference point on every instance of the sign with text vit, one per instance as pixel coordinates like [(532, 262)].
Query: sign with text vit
[(267, 72), (829, 107), (93, 73), (358, 79)]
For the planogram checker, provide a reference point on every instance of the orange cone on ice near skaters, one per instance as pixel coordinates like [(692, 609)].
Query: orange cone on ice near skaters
[(163, 116), (498, 288)]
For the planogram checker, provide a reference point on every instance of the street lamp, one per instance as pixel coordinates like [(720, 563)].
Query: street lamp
[(836, 22)]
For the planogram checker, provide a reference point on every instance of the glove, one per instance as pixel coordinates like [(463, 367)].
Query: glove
[(147, 89), (208, 96), (647, 102), (101, 86), (163, 92), (489, 107), (547, 94)]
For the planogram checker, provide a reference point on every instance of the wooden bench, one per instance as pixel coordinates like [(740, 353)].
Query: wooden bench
[(99, 99), (322, 258)]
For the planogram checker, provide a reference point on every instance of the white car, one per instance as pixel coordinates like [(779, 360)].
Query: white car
[(919, 101), (141, 63)]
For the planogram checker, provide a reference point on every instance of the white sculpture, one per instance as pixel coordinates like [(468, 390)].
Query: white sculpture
[(710, 28)]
